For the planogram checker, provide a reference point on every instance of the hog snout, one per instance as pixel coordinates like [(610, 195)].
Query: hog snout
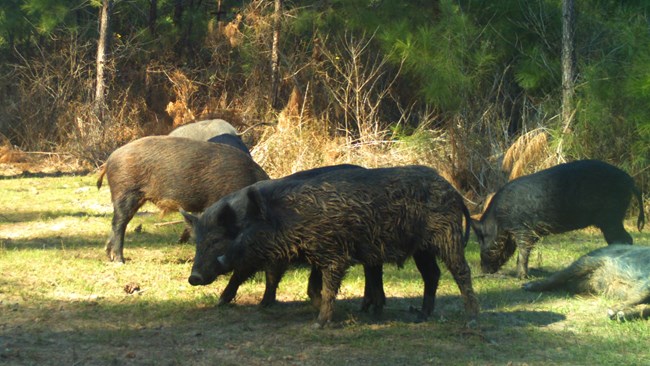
[(196, 279), (489, 269)]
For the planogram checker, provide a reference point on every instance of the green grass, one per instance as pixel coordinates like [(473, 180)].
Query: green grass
[(62, 302)]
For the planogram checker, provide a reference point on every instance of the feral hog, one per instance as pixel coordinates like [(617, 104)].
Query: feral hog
[(566, 197), (621, 272), (172, 173), (230, 140), (206, 263), (333, 220), (204, 130)]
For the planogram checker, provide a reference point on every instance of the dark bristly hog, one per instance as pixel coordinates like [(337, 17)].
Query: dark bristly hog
[(563, 198), (204, 130), (621, 272), (334, 220), (172, 173), (373, 294)]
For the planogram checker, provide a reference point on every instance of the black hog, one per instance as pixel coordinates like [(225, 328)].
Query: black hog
[(373, 294), (204, 130), (559, 199), (333, 220), (230, 140), (374, 288), (172, 173), (620, 272)]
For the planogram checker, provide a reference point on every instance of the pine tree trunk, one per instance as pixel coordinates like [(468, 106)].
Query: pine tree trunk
[(153, 16), (102, 47), (568, 64), (275, 57)]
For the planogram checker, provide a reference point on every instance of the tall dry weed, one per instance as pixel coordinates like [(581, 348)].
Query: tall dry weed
[(300, 141), (529, 153)]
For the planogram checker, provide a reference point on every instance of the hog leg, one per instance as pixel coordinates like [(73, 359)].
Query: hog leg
[(629, 309), (238, 277), (430, 272), (525, 242), (576, 273), (332, 277), (185, 236), (373, 293), (616, 234), (315, 286), (123, 211), (273, 277), (630, 313), (457, 265)]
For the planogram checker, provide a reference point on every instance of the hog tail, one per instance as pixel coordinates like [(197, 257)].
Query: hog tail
[(102, 171), (641, 221), (467, 225)]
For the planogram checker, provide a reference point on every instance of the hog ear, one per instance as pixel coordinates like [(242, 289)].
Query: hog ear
[(257, 206), (190, 219), (227, 219)]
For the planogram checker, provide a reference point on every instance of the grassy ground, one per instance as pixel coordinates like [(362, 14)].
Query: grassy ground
[(62, 302)]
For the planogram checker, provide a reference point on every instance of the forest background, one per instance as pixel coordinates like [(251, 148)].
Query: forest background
[(473, 88)]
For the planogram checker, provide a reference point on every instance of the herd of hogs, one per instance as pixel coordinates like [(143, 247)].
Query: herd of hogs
[(336, 216)]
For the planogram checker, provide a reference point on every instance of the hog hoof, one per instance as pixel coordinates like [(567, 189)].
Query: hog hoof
[(267, 303), (115, 258), (223, 302), (420, 316), (315, 302), (472, 324), (378, 311), (617, 315), (365, 306), (529, 286), (185, 237)]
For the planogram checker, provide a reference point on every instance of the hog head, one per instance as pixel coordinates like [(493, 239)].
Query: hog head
[(212, 238), (496, 249), (223, 233)]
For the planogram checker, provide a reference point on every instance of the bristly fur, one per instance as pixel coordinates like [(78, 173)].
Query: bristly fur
[(172, 173), (620, 272), (566, 197), (372, 217)]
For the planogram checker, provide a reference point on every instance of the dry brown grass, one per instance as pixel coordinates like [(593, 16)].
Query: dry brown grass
[(529, 153), (301, 142), (14, 162)]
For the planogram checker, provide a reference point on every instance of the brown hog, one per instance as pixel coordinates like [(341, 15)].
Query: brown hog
[(172, 173)]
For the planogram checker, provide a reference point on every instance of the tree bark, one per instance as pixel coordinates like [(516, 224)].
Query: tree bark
[(153, 16), (568, 64), (102, 48), (275, 54)]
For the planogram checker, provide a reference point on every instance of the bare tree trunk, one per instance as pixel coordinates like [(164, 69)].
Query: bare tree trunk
[(102, 47), (153, 16), (275, 57), (568, 72), (568, 63), (178, 12)]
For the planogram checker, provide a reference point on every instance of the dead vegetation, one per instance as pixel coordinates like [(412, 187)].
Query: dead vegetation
[(529, 153)]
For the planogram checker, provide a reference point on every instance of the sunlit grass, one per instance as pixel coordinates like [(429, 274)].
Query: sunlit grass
[(63, 302)]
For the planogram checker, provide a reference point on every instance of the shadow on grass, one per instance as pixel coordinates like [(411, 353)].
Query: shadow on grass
[(151, 237), (30, 216), (57, 174), (137, 331)]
